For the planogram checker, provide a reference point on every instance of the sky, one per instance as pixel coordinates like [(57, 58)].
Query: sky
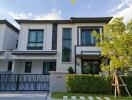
[(63, 9)]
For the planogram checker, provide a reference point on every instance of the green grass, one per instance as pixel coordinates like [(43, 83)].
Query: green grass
[(60, 96)]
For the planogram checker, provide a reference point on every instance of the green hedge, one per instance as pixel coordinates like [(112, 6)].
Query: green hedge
[(85, 83)]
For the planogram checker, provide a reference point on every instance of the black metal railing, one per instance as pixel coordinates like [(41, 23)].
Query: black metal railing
[(24, 82)]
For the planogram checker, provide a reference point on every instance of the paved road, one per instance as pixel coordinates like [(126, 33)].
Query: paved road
[(23, 96)]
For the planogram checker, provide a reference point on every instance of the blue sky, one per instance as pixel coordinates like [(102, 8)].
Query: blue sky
[(63, 9)]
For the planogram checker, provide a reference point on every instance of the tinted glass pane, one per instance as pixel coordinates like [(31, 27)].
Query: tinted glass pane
[(39, 44), (66, 45), (10, 66), (28, 66), (90, 66), (39, 36), (31, 44), (49, 66), (32, 36), (66, 55), (67, 33), (87, 38)]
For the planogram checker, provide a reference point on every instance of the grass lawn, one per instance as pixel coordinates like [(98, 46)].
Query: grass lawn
[(60, 96)]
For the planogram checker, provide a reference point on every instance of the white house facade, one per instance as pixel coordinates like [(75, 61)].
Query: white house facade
[(55, 45), (8, 42)]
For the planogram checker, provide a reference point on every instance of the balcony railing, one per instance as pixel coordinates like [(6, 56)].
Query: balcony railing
[(87, 50)]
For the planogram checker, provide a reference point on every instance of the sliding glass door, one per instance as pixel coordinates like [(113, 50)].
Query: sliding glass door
[(90, 66)]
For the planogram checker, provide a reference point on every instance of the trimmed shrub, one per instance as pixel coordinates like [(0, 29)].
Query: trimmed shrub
[(70, 70), (94, 84)]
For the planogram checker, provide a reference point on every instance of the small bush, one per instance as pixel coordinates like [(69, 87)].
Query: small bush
[(70, 70)]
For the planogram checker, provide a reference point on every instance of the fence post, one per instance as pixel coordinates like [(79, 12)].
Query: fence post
[(17, 84), (57, 81)]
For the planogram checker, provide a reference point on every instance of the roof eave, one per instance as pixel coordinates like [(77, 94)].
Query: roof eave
[(9, 25)]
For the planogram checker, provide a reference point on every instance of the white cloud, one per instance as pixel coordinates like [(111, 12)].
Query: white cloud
[(124, 9), (16, 15), (53, 15)]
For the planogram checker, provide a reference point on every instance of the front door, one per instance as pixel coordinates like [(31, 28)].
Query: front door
[(90, 66), (49, 66)]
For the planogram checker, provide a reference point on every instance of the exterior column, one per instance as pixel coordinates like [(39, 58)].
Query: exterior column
[(13, 66), (57, 81)]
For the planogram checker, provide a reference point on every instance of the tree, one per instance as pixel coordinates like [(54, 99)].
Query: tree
[(73, 2), (70, 70), (116, 45)]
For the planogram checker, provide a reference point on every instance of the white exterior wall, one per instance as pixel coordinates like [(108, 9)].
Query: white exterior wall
[(2, 28), (3, 65), (63, 66), (8, 38), (37, 66), (47, 46), (23, 36)]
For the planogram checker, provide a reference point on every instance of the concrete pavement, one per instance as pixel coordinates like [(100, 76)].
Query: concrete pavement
[(24, 96)]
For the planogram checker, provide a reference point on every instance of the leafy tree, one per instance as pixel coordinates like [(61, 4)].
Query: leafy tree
[(116, 45), (73, 2)]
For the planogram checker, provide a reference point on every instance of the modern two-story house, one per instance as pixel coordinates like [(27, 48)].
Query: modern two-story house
[(55, 45), (8, 42)]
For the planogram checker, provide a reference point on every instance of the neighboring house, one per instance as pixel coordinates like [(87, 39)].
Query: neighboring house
[(55, 45), (8, 42)]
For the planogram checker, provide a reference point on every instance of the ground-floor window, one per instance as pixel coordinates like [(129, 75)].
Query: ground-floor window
[(28, 67), (9, 66), (90, 66), (49, 66)]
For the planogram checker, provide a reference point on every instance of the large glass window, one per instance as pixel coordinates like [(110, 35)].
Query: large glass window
[(66, 44), (35, 39), (87, 38)]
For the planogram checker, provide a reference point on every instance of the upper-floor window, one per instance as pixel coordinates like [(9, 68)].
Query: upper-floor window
[(87, 38), (66, 44), (35, 39)]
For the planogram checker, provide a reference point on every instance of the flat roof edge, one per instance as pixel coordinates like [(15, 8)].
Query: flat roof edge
[(9, 25), (71, 20)]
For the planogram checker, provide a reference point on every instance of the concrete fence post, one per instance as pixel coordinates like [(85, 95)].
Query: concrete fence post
[(57, 81)]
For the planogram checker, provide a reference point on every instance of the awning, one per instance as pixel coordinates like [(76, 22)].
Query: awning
[(90, 54)]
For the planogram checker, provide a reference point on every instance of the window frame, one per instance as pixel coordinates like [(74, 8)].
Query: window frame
[(35, 47)]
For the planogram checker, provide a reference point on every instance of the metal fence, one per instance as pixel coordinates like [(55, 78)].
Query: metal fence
[(24, 82)]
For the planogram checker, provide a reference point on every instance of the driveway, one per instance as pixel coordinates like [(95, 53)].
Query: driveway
[(23, 95)]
